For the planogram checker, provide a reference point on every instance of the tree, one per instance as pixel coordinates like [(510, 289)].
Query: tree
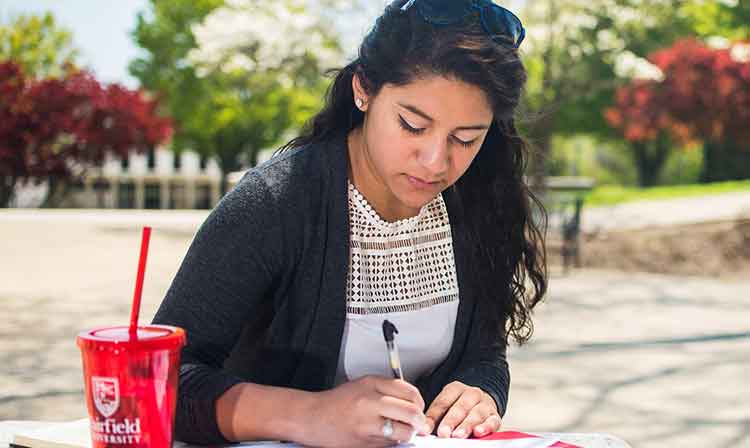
[(726, 18), (578, 52), (709, 93), (54, 129), (642, 119), (42, 49), (253, 70), (704, 95), (12, 165), (270, 58), (165, 34)]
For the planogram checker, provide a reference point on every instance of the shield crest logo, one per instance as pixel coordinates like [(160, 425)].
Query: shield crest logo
[(106, 394)]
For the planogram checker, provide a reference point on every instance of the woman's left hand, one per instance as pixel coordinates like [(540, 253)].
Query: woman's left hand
[(460, 410)]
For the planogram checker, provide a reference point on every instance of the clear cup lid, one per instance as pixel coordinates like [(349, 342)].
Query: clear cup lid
[(153, 337)]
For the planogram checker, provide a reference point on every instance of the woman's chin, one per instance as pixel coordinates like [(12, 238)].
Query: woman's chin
[(416, 200)]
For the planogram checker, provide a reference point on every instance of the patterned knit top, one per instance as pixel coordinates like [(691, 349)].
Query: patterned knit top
[(405, 272)]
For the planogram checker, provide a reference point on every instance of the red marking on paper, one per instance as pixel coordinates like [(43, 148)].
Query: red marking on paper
[(510, 435)]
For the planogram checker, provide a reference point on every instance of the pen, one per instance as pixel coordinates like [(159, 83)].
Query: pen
[(393, 360)]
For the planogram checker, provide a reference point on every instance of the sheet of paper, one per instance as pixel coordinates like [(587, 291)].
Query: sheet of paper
[(10, 427), (75, 433), (425, 442), (436, 442)]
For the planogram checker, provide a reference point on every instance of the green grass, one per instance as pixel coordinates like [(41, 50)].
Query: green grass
[(611, 195)]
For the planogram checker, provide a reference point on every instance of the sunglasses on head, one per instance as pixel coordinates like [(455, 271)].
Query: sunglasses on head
[(500, 24)]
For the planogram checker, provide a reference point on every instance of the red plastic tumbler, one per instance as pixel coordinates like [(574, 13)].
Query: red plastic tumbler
[(131, 384)]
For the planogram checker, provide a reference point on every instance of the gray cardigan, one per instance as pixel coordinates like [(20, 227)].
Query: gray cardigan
[(261, 292)]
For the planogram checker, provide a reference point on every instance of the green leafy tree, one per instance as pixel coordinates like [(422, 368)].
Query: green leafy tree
[(725, 18), (235, 77), (41, 47), (579, 52), (165, 34)]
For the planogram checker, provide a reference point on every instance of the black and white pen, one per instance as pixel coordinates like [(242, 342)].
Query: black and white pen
[(395, 362), (393, 359)]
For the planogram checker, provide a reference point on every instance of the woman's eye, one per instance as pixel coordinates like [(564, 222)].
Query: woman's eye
[(463, 143), (405, 126)]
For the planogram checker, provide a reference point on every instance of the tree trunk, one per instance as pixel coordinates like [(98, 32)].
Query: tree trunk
[(648, 172), (224, 183), (57, 191), (253, 157), (227, 164), (540, 155), (650, 158), (724, 161), (710, 168), (7, 186), (540, 150)]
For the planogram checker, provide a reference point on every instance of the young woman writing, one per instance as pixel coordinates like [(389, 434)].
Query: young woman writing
[(403, 199)]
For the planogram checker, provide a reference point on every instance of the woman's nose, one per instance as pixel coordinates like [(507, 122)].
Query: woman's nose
[(435, 159)]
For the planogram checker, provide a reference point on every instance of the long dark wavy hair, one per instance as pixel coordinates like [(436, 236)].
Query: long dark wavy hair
[(506, 243)]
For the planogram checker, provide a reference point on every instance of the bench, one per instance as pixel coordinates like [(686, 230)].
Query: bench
[(563, 198)]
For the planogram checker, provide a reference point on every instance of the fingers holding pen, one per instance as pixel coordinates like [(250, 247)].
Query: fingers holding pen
[(399, 389), (400, 401)]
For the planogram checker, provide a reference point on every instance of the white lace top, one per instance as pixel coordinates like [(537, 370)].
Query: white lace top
[(404, 272)]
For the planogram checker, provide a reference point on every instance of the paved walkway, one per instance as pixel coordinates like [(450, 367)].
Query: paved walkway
[(656, 360), (665, 212), (659, 361)]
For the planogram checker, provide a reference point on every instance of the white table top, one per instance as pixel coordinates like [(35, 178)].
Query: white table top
[(585, 440)]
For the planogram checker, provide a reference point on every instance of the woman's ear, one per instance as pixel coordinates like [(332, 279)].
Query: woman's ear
[(360, 97)]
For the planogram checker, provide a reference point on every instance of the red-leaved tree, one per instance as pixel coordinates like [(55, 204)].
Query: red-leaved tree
[(647, 126), (709, 91), (704, 96), (54, 129)]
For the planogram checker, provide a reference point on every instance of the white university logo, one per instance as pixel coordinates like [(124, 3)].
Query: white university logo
[(106, 394)]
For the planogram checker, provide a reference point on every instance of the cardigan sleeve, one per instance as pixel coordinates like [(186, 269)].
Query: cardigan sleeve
[(482, 364), (227, 272)]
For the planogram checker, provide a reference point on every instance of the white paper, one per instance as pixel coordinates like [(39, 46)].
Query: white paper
[(430, 442), (436, 442)]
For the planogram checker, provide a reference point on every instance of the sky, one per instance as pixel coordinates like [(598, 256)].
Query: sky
[(101, 30)]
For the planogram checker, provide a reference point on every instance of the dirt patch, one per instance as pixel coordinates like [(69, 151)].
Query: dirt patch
[(715, 249)]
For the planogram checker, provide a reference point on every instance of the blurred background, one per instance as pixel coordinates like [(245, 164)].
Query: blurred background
[(115, 115)]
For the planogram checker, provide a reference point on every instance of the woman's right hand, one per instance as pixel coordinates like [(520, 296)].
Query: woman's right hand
[(353, 413)]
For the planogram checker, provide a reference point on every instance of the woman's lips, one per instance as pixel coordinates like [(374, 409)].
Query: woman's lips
[(420, 183)]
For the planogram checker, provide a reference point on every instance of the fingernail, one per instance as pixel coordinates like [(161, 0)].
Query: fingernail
[(444, 431), (480, 430), (427, 429), (460, 433)]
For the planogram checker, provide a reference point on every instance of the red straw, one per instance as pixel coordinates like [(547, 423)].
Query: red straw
[(139, 282)]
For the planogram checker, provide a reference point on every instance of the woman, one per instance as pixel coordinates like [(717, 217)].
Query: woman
[(402, 200)]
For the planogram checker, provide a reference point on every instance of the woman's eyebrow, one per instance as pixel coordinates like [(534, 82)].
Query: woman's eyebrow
[(422, 114)]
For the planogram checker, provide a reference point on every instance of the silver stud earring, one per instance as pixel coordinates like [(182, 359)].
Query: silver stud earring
[(359, 102)]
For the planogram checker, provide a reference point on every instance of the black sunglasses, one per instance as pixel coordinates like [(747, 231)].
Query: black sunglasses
[(500, 24)]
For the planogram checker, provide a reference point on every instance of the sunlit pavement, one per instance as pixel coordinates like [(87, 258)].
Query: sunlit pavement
[(656, 360)]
